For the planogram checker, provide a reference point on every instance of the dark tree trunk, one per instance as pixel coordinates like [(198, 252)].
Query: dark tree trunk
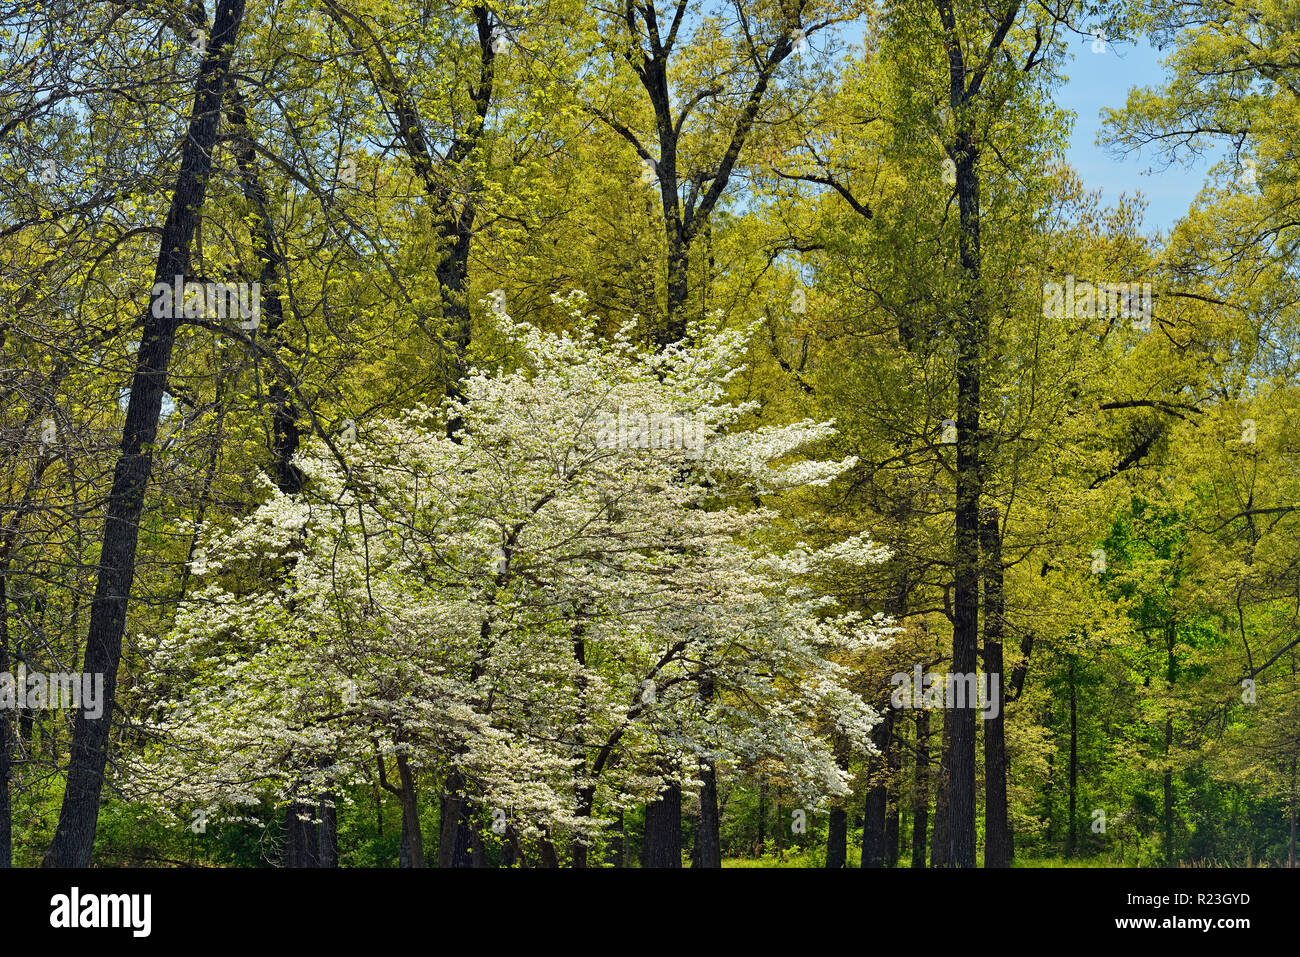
[(940, 846), (6, 755), (74, 838), (301, 840), (965, 635), (780, 829), (614, 854), (285, 435), (578, 849), (1168, 818), (1072, 834), (329, 831), (874, 850), (455, 224), (508, 849), (708, 839), (837, 831), (586, 792), (892, 829), (997, 830), (760, 839), (707, 852), (678, 291), (971, 331), (412, 852), (837, 839), (454, 848), (1291, 852), (682, 226), (546, 851), (663, 829), (921, 788)]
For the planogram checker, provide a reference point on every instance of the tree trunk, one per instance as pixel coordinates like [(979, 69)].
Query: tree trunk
[(412, 852), (892, 828), (965, 634), (940, 846), (546, 850), (329, 831), (921, 788), (679, 253), (708, 839), (874, 850), (578, 848), (453, 833), (301, 841), (837, 839), (1291, 854), (74, 838), (617, 841), (1072, 839), (1168, 822), (997, 831), (663, 829), (1168, 816), (6, 755)]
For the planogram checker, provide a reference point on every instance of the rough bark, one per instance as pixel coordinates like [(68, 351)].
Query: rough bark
[(1167, 822), (939, 844), (1072, 835), (837, 832), (412, 852), (6, 754), (579, 852), (663, 828), (921, 788), (708, 839), (892, 812), (301, 842), (454, 848), (708, 835), (328, 855), (837, 839), (614, 854), (874, 851), (1291, 848), (997, 830), (965, 635)]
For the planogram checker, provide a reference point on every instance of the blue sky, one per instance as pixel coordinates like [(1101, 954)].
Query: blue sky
[(1098, 80)]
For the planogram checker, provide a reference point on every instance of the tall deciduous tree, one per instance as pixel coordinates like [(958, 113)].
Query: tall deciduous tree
[(75, 837)]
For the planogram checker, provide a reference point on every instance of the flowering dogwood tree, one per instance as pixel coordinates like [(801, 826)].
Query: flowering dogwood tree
[(563, 612)]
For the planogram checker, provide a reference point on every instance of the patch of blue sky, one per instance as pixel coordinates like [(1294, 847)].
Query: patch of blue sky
[(1096, 80)]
